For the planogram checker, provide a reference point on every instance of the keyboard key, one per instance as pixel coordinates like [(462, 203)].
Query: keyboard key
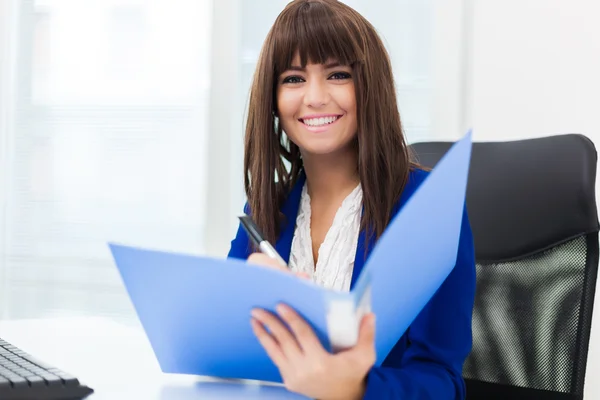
[(19, 371), (36, 381), (68, 379), (18, 381), (36, 362), (4, 383), (55, 371), (51, 380)]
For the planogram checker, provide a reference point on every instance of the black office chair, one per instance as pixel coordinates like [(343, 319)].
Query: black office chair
[(533, 213)]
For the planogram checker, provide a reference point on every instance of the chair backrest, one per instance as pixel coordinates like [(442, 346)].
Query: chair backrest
[(532, 209)]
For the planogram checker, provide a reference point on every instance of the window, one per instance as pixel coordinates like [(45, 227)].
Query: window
[(107, 144)]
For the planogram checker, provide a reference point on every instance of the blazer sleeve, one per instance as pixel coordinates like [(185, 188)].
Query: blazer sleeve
[(240, 245), (439, 339)]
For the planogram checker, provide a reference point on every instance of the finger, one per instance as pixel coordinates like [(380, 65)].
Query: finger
[(264, 261), (303, 332), (287, 342), (302, 275), (269, 344)]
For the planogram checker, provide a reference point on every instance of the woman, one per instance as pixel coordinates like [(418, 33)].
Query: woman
[(323, 102)]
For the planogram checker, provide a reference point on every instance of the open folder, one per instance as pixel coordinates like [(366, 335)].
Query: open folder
[(196, 310)]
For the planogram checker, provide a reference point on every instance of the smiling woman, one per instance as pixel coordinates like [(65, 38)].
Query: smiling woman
[(323, 99)]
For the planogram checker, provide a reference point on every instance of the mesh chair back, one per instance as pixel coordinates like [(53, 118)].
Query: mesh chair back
[(533, 213)]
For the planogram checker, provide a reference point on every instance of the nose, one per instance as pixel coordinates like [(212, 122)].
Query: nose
[(316, 94)]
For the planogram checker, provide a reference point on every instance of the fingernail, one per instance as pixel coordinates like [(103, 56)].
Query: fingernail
[(282, 309)]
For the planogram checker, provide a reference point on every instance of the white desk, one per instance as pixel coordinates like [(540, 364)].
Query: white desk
[(117, 362)]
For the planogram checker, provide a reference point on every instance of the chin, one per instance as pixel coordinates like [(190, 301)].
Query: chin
[(323, 149)]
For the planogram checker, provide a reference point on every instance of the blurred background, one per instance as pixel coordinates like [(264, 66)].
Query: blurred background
[(123, 120)]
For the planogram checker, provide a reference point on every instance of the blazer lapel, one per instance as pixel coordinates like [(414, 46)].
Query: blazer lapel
[(361, 256)]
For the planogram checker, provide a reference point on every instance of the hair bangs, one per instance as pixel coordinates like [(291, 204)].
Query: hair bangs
[(317, 33)]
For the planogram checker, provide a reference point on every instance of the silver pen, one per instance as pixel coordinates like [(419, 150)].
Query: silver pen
[(259, 241)]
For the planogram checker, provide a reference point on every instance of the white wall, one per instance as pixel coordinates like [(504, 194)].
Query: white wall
[(533, 69), (225, 129), (7, 10)]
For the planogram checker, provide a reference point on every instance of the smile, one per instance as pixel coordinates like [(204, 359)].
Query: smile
[(320, 122)]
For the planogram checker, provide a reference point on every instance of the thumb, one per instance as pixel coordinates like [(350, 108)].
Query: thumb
[(366, 333), (363, 353)]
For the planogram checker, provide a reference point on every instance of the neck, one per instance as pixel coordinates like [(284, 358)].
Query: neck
[(331, 177)]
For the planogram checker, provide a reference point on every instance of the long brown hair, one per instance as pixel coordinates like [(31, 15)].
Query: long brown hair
[(321, 30)]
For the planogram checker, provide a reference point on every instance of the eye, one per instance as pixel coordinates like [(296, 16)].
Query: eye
[(292, 79), (340, 75)]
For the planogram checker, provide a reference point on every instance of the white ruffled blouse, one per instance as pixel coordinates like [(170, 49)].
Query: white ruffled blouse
[(336, 255)]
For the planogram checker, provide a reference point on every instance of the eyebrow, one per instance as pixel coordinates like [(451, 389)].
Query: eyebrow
[(327, 66)]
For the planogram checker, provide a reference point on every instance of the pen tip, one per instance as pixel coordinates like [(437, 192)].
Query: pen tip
[(245, 220)]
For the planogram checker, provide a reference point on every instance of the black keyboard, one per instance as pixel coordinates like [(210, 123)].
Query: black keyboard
[(22, 377)]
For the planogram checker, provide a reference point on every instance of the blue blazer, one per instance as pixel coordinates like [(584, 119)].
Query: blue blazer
[(427, 361)]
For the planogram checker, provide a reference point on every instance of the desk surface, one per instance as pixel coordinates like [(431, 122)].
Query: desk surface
[(116, 360)]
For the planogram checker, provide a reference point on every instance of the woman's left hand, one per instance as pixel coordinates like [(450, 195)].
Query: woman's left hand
[(305, 366)]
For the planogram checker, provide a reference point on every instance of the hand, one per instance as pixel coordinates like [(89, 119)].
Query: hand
[(305, 366), (266, 261)]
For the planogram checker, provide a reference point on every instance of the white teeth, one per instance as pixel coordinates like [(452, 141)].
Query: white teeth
[(319, 121)]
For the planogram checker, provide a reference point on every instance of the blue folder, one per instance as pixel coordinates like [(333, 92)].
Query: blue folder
[(196, 310)]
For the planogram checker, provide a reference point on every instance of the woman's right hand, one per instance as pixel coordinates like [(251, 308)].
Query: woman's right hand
[(266, 261)]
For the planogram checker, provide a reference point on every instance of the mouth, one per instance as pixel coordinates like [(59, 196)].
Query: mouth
[(320, 122)]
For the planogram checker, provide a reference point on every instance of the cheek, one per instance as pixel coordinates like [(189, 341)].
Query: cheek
[(349, 106), (287, 104), (347, 100)]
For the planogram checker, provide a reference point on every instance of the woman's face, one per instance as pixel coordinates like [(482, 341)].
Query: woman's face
[(317, 106)]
